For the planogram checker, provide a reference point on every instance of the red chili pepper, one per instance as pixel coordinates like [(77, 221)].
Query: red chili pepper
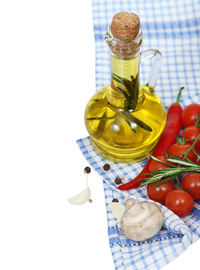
[(168, 137)]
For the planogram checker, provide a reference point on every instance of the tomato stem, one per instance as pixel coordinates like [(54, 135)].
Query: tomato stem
[(178, 183), (192, 146), (181, 140)]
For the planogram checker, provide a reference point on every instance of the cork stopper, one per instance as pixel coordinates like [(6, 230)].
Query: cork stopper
[(125, 26), (124, 36)]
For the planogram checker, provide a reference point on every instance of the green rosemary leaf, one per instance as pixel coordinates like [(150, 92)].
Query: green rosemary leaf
[(127, 105), (148, 181), (131, 126), (163, 181), (123, 92), (135, 90), (166, 154), (100, 118), (155, 179), (145, 173), (156, 159), (116, 78), (192, 146), (166, 179), (182, 162), (101, 125), (127, 118), (132, 87), (178, 183), (128, 84), (132, 119)]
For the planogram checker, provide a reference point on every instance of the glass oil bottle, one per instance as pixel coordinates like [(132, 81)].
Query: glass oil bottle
[(125, 119)]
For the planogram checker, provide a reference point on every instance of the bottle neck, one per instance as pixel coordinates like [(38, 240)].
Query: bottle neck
[(125, 61), (125, 68), (125, 84)]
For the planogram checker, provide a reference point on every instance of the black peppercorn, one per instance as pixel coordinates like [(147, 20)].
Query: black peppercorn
[(115, 200), (87, 170), (118, 180), (106, 167)]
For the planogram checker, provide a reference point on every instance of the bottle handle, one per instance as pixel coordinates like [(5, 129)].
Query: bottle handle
[(155, 69)]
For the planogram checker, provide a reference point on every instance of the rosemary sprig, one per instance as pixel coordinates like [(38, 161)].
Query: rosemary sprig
[(101, 125), (131, 98), (124, 93), (130, 93), (128, 117), (170, 173), (132, 90), (156, 159)]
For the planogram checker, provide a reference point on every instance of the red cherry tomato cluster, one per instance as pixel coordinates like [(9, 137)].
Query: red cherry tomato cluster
[(181, 200)]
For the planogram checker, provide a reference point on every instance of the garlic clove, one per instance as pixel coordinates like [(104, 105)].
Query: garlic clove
[(81, 197), (117, 210)]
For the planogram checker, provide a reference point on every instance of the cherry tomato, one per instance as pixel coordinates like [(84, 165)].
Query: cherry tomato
[(190, 133), (178, 150), (190, 114), (191, 183), (158, 193), (155, 165), (180, 202)]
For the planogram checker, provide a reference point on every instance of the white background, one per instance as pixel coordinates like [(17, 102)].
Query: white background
[(47, 75)]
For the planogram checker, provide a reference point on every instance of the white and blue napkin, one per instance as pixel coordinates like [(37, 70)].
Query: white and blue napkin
[(173, 27)]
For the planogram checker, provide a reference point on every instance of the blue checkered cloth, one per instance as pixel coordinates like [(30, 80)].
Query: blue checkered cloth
[(173, 27)]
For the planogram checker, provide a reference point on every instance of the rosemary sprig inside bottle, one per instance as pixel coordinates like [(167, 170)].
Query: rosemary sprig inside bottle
[(130, 91)]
